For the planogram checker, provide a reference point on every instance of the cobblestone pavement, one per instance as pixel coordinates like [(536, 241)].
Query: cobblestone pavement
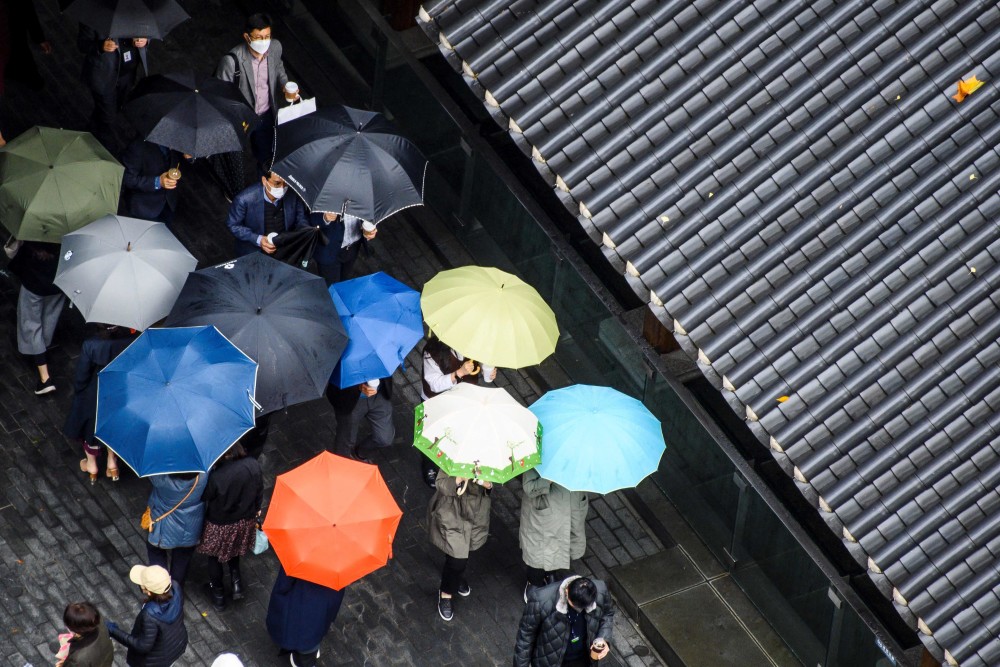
[(62, 539)]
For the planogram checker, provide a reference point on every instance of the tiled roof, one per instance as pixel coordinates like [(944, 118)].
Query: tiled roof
[(794, 190)]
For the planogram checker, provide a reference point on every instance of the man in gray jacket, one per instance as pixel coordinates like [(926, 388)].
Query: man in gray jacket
[(565, 624), (256, 67)]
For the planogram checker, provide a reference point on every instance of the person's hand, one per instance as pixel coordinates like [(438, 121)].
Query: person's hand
[(492, 376), (467, 368), (330, 217), (484, 483), (140, 42), (166, 182), (111, 626), (109, 46), (46, 47), (369, 235), (368, 391), (599, 654), (267, 246)]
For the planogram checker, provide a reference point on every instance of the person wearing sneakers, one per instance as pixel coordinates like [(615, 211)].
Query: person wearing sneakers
[(158, 637), (39, 304), (458, 521)]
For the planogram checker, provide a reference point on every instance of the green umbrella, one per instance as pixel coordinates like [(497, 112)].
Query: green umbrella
[(55, 181)]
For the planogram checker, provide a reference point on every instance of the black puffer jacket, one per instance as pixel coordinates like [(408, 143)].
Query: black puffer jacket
[(544, 631), (158, 636)]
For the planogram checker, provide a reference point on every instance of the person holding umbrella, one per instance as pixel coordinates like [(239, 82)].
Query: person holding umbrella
[(111, 68), (97, 351), (299, 615), (39, 305), (149, 187), (345, 235), (257, 68), (553, 529), (177, 513), (233, 496), (261, 212), (371, 401)]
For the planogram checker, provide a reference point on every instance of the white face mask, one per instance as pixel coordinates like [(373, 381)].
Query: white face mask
[(260, 45), (277, 193)]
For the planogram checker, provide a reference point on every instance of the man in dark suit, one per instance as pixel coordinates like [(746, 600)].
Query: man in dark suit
[(261, 211), (148, 192), (335, 259), (362, 402), (111, 68)]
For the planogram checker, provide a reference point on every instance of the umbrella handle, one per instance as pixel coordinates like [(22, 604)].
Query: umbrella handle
[(255, 403)]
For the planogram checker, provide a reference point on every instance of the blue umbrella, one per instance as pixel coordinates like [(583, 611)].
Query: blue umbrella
[(383, 322), (596, 438), (175, 400)]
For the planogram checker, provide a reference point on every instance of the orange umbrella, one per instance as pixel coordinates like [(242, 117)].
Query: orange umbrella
[(332, 520)]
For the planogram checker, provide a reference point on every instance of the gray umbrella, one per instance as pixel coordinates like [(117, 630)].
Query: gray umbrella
[(123, 271)]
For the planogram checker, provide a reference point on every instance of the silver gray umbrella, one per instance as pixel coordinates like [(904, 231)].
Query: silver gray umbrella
[(123, 271)]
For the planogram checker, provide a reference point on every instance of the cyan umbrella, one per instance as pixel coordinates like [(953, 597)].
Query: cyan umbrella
[(383, 322), (175, 400), (597, 438)]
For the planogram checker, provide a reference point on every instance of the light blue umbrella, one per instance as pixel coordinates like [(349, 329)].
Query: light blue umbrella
[(383, 322), (596, 438), (175, 400)]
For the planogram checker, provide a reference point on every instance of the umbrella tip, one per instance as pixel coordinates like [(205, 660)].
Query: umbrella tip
[(128, 248), (258, 310)]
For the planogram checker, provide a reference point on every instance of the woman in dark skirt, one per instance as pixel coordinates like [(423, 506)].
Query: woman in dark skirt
[(232, 497), (98, 350)]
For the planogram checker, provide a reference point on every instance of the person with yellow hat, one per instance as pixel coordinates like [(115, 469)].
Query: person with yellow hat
[(158, 637)]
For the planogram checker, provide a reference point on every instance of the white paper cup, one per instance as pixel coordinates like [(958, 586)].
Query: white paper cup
[(291, 88), (367, 227), (373, 383), (487, 372)]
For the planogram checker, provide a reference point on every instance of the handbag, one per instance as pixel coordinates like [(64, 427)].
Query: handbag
[(260, 541), (147, 521), (295, 110)]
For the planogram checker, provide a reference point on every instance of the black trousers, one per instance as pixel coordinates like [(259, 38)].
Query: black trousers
[(179, 559), (215, 569), (262, 142), (539, 577), (340, 268), (453, 574)]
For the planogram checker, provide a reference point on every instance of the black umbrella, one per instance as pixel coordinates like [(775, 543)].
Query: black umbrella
[(296, 247), (129, 18), (281, 317), (344, 160), (200, 116)]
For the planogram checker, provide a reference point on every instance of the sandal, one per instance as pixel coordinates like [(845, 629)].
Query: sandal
[(112, 473), (93, 475)]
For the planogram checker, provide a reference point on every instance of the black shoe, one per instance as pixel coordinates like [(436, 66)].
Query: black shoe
[(237, 586), (444, 608), (357, 456), (430, 477), (46, 387), (463, 589), (218, 595)]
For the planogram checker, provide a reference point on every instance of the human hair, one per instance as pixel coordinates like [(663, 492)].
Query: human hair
[(257, 21), (184, 475), (81, 617), (237, 451), (437, 350), (581, 592), (165, 596)]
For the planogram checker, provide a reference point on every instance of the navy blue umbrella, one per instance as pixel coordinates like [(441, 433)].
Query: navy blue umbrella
[(175, 400)]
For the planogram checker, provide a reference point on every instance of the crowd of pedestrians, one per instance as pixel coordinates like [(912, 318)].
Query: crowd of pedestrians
[(216, 515)]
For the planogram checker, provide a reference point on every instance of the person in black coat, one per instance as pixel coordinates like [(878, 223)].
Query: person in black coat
[(565, 624), (158, 637), (98, 350), (335, 259), (233, 496), (261, 210), (39, 305), (148, 192), (361, 402), (299, 615), (111, 68)]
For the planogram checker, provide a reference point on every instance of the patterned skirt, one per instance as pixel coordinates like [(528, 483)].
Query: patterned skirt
[(229, 540)]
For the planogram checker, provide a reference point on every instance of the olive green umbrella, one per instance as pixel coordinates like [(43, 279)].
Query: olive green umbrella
[(55, 181), (489, 315)]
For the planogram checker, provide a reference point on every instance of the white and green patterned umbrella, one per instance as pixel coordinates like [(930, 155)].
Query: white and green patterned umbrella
[(478, 433)]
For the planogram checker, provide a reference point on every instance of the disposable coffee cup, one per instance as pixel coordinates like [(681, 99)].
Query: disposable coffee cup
[(595, 649), (174, 173), (373, 383), (291, 90), (488, 372), (368, 227)]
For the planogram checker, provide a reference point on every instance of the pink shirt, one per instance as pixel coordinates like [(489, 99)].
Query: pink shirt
[(261, 91)]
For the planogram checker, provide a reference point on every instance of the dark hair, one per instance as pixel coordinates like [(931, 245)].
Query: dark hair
[(109, 331), (237, 451), (257, 21), (165, 596), (437, 350), (581, 592), (81, 617), (184, 475)]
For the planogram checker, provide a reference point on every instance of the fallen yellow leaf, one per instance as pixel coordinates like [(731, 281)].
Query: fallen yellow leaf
[(966, 88), (782, 399)]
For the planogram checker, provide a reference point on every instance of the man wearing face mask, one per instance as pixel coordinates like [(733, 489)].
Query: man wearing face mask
[(261, 211), (256, 67)]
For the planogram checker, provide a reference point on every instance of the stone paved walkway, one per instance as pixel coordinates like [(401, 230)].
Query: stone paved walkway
[(61, 539)]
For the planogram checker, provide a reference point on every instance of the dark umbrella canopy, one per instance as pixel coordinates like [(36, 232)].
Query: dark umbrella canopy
[(344, 160), (280, 316), (129, 18), (199, 116)]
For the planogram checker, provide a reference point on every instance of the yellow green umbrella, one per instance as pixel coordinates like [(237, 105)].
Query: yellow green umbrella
[(490, 315), (55, 181)]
